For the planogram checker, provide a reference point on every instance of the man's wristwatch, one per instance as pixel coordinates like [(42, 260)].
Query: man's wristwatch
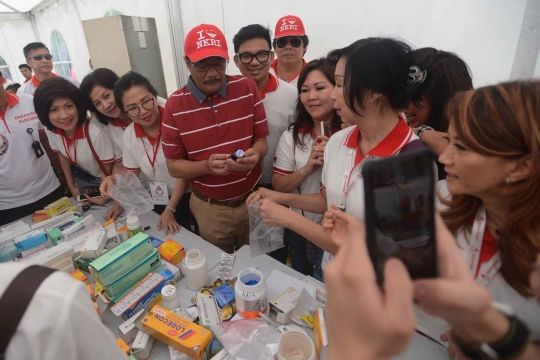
[(510, 346), (171, 208), (421, 129)]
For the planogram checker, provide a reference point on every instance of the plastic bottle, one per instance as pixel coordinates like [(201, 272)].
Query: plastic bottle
[(171, 300), (133, 225), (194, 266), (250, 293)]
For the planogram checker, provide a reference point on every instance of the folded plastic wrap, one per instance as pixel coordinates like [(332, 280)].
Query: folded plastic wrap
[(263, 238), (131, 194)]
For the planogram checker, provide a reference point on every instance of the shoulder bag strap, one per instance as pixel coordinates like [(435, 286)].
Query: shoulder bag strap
[(87, 132), (16, 299)]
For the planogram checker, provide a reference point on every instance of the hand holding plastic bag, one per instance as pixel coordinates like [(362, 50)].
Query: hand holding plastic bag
[(263, 238), (131, 194), (251, 339)]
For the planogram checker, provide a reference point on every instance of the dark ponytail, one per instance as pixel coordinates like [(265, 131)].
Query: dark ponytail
[(384, 66)]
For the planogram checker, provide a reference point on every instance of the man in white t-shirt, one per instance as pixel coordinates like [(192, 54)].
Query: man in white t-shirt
[(59, 322), (39, 58), (27, 181), (253, 56)]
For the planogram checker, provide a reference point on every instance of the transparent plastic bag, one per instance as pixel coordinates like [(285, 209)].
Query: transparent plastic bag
[(131, 194), (251, 339), (263, 238)]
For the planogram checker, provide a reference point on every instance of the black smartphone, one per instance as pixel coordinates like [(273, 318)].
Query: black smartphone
[(92, 194), (400, 212)]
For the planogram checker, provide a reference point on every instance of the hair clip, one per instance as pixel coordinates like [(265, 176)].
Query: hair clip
[(416, 76)]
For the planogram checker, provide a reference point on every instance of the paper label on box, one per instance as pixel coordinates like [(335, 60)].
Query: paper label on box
[(136, 294), (159, 192)]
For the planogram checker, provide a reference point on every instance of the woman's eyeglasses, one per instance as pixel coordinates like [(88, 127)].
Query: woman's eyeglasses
[(294, 41), (247, 58), (136, 110), (40, 56)]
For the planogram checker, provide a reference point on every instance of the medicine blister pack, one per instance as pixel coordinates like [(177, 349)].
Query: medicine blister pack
[(225, 267)]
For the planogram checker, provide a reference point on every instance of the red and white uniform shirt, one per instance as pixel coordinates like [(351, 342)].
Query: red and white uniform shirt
[(31, 86), (116, 129), (24, 178), (293, 80), (143, 153), (77, 149), (343, 162), (288, 159), (279, 99), (6, 82)]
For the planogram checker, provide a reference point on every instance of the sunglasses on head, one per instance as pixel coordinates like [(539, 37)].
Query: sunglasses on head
[(295, 42), (40, 56)]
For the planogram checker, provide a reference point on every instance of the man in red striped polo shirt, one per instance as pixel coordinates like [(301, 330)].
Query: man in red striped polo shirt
[(204, 123)]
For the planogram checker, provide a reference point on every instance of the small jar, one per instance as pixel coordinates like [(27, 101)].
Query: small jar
[(250, 293), (194, 266), (133, 225), (171, 300)]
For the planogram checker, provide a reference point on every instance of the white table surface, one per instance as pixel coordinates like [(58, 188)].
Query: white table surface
[(420, 348)]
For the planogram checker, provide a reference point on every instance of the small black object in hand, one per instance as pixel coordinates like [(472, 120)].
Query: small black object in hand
[(237, 154)]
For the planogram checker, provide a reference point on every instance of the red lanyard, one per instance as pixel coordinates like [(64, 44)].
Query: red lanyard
[(152, 162), (66, 148)]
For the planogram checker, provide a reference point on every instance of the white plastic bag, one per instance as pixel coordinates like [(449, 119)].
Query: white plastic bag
[(262, 238), (131, 194), (251, 339)]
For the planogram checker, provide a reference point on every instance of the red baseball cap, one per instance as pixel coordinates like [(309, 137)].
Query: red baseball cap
[(204, 41), (289, 25)]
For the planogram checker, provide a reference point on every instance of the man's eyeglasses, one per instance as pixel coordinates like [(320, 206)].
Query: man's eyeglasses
[(38, 57), (136, 110), (218, 65), (294, 41), (247, 58)]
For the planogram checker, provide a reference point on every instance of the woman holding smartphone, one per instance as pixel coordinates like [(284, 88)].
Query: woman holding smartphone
[(375, 79), (300, 154), (142, 152), (83, 145)]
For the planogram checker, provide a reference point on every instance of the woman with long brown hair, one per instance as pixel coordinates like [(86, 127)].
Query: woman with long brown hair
[(492, 192)]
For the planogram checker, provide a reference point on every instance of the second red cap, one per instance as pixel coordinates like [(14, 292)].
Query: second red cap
[(289, 25)]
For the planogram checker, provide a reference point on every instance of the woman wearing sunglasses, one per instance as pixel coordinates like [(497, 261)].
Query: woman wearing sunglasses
[(83, 145), (290, 44), (38, 57), (142, 151)]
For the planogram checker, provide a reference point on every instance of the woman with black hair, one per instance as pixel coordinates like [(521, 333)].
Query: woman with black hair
[(142, 152), (83, 145), (448, 75), (300, 154), (375, 79)]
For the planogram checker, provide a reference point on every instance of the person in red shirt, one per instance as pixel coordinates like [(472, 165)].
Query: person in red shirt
[(290, 44), (206, 121)]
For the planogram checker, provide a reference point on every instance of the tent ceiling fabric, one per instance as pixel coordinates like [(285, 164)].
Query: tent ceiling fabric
[(20, 5)]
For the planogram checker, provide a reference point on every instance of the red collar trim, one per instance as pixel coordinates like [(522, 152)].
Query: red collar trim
[(35, 82), (139, 132), (119, 123), (274, 66), (4, 80), (12, 100), (79, 134), (305, 130), (272, 85)]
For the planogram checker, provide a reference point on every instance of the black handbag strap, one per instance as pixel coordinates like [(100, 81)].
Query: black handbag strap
[(16, 299)]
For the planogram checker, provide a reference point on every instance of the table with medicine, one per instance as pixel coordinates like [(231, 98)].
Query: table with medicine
[(178, 296)]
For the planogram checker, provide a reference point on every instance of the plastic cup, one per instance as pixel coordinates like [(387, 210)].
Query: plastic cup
[(294, 340)]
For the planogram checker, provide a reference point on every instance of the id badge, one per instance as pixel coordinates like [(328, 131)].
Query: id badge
[(159, 192)]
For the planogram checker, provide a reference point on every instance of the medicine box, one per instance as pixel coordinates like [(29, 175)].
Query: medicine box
[(121, 259), (70, 215), (284, 305), (127, 330), (142, 345), (174, 269), (8, 252), (7, 237), (58, 207), (78, 228), (30, 240), (172, 251), (123, 346), (35, 249), (142, 294), (126, 281), (208, 310), (94, 245), (177, 332), (223, 355), (56, 257)]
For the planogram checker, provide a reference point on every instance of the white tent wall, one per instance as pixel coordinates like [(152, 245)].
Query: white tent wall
[(484, 33), (14, 35)]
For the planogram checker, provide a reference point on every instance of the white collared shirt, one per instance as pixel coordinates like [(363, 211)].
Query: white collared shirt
[(30, 87)]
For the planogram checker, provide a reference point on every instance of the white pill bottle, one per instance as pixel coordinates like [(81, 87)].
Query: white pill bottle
[(250, 293), (194, 266)]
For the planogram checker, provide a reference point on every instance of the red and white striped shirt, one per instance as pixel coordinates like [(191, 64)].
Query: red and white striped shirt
[(196, 125)]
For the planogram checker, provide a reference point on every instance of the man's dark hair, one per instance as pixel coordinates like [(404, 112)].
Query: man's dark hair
[(25, 66), (33, 46), (15, 86), (126, 82), (55, 88), (253, 31), (102, 77)]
